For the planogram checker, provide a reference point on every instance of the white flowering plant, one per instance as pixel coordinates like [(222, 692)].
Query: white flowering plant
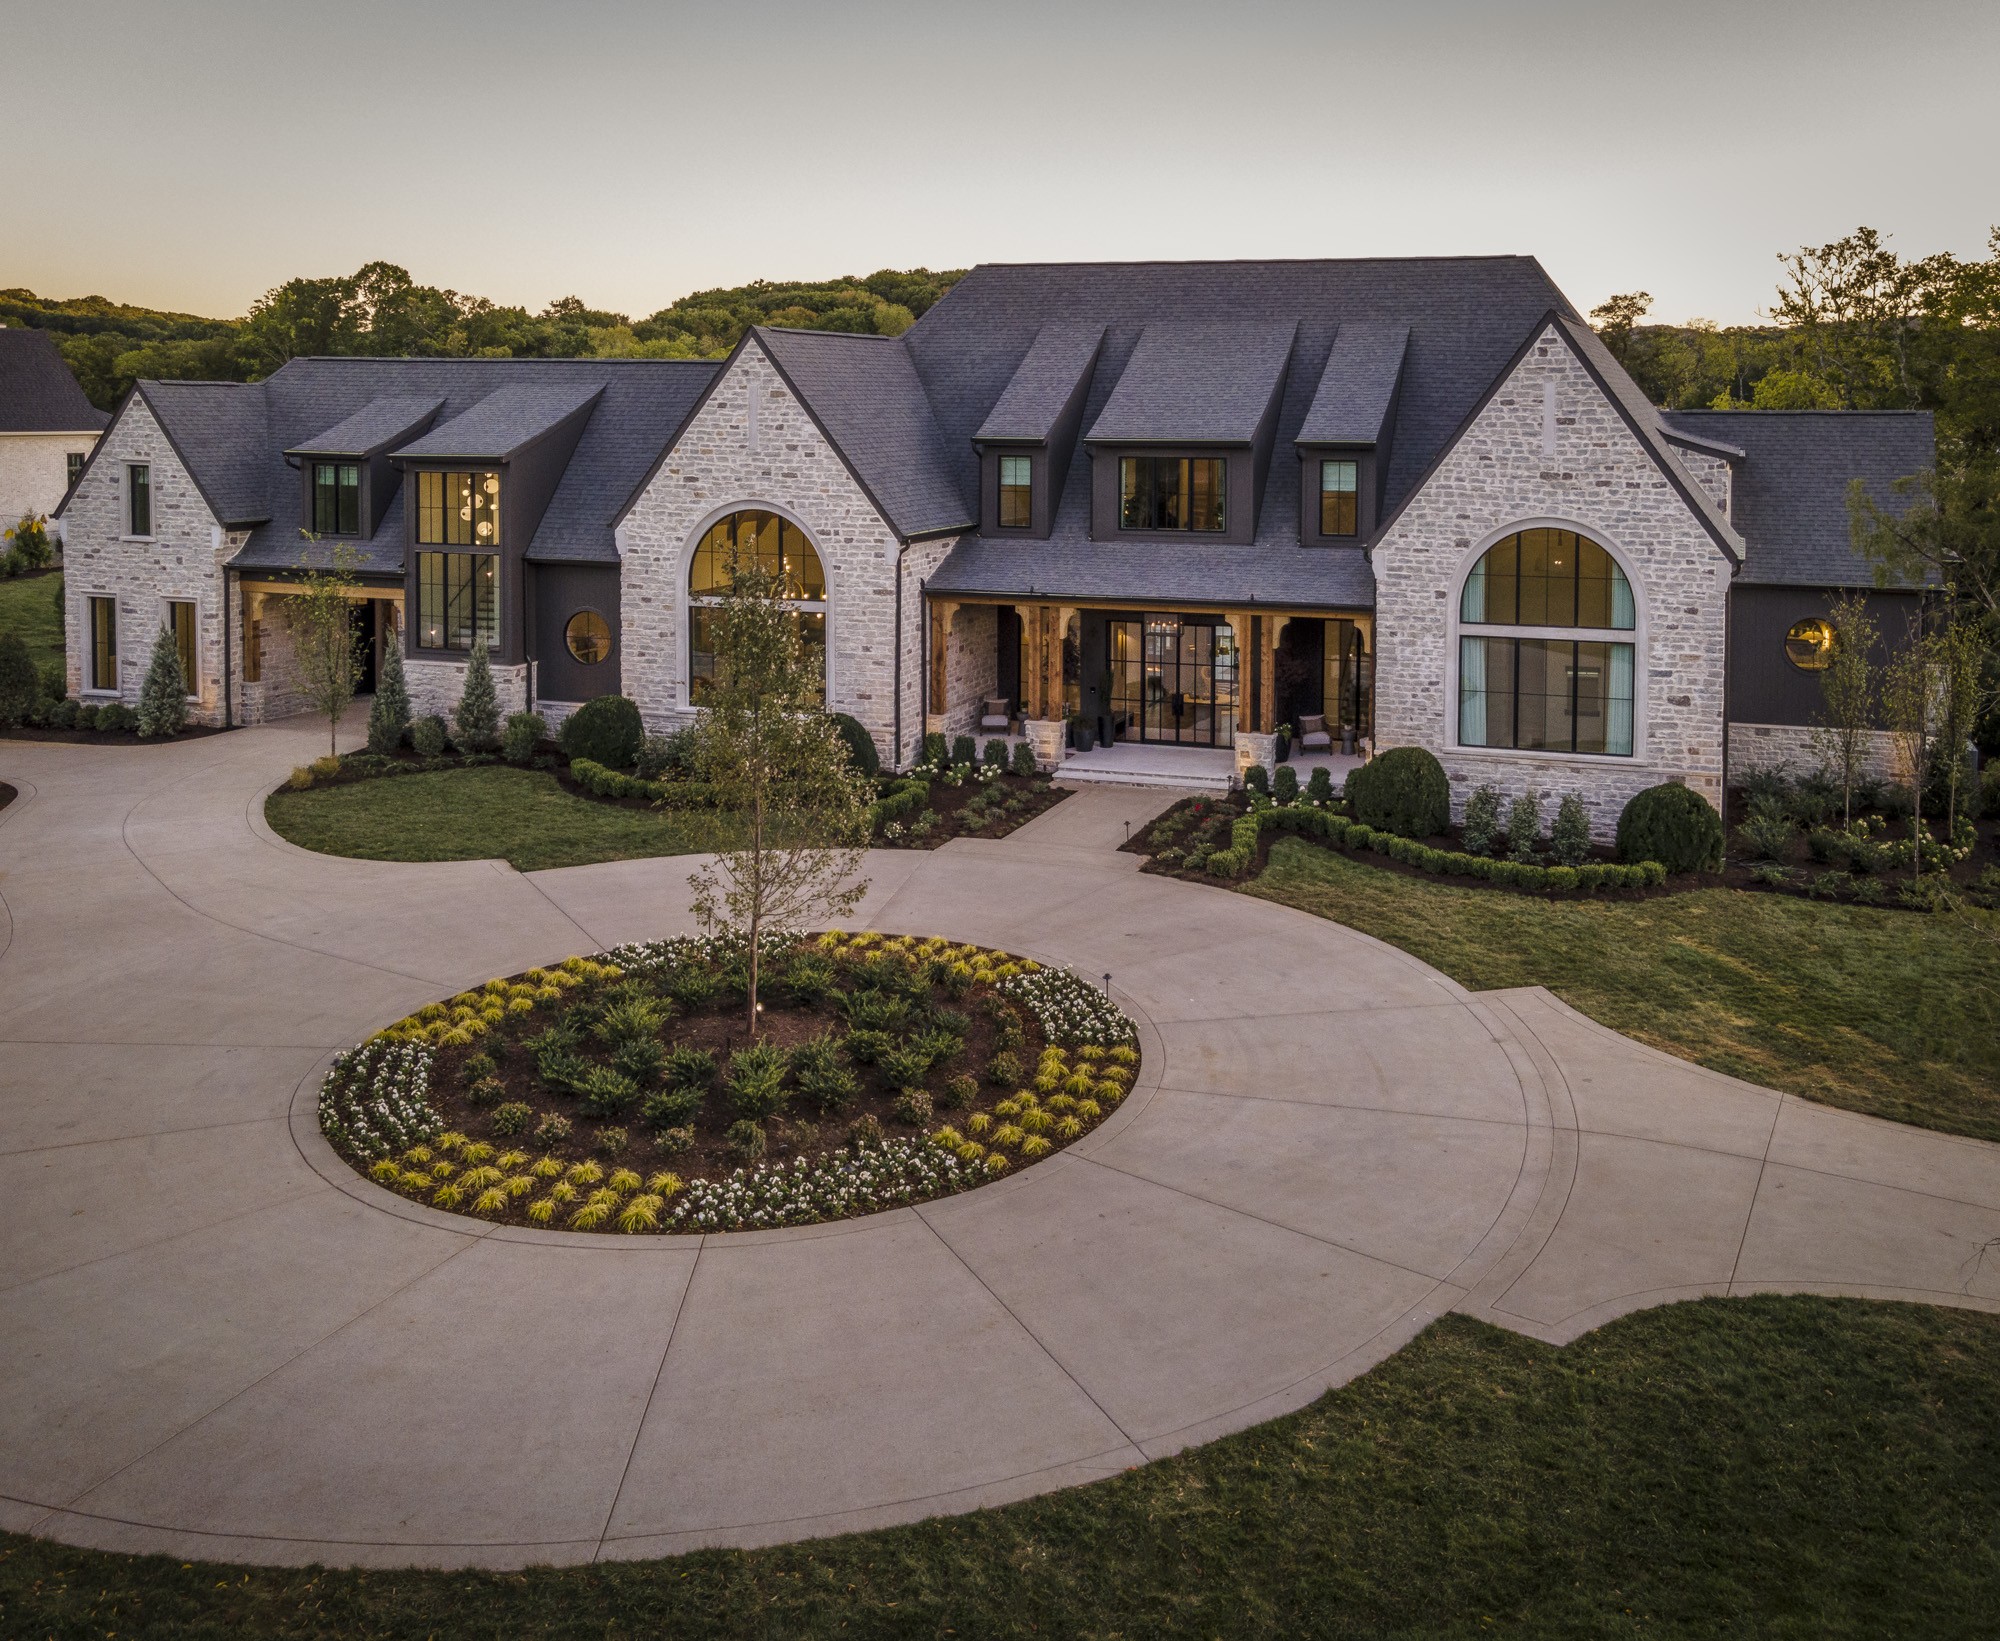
[(375, 1100), (1069, 1008), (857, 1180)]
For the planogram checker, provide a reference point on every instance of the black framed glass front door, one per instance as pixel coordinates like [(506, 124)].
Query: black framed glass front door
[(1173, 680)]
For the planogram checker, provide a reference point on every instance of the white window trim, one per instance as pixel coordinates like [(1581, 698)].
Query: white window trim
[(1637, 636), (165, 601), (87, 649), (684, 602), (125, 501)]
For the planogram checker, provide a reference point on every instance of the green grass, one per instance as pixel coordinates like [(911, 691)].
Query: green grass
[(521, 816), (1891, 1013), (28, 606), (1768, 1467)]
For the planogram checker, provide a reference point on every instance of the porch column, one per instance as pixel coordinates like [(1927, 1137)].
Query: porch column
[(1045, 726), (941, 615), (1267, 706)]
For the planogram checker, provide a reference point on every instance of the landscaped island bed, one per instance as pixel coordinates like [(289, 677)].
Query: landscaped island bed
[(626, 1092)]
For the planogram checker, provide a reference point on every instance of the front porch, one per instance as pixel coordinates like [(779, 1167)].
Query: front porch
[(1207, 769)]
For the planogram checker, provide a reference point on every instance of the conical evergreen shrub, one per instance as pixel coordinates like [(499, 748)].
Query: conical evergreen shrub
[(163, 698), (389, 717), (476, 718)]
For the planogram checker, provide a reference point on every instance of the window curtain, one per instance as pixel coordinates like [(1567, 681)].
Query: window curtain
[(1618, 724), (1474, 606), (1472, 690), (1623, 617)]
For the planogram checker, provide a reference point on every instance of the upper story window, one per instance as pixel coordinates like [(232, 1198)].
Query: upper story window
[(76, 460), (458, 509), (138, 499), (1548, 578), (1338, 488), (336, 492), (1172, 492), (1017, 492)]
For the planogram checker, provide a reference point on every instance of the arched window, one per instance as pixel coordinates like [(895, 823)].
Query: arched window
[(776, 545), (1540, 665)]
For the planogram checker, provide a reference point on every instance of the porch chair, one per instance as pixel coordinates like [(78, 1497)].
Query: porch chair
[(994, 714), (1313, 734)]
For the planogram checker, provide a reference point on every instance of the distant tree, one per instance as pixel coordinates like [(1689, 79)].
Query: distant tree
[(1615, 316), (320, 617), (1847, 697), (1947, 531), (163, 696), (793, 808)]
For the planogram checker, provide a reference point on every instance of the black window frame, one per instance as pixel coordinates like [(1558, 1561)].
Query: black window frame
[(1573, 669), (1153, 466), (345, 511), (1022, 494), (187, 645), (102, 609), (569, 647), (76, 461), (1352, 495), (439, 595), (138, 490)]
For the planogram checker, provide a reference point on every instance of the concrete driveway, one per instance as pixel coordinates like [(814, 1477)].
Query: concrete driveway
[(217, 1341)]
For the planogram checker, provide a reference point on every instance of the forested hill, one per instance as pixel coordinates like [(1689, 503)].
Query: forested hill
[(380, 310)]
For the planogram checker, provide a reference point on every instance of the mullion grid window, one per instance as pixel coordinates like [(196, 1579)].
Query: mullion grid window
[(180, 616), (457, 600), (1337, 491), (1545, 694), (336, 499), (1016, 492), (1172, 493), (458, 509)]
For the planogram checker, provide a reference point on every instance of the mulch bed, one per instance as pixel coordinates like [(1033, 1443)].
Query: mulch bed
[(109, 737), (1029, 796)]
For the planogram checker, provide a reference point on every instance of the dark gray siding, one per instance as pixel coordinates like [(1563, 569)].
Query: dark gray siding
[(1764, 687), (557, 592)]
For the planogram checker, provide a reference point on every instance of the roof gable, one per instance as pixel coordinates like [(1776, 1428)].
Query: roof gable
[(38, 394), (221, 432)]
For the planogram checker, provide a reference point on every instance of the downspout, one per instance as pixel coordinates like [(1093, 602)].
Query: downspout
[(924, 651), (896, 762), (228, 695)]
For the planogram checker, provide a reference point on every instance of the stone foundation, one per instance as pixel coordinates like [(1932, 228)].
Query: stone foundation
[(435, 687), (1755, 747)]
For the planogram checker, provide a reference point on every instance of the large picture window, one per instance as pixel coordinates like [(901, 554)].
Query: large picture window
[(1172, 492), (1338, 489), (336, 488), (104, 643), (1561, 681), (779, 547), (458, 510), (458, 600), (1017, 492)]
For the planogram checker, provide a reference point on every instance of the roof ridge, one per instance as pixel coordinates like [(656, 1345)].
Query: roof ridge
[(1265, 261)]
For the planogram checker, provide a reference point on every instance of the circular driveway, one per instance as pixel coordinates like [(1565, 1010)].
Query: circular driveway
[(217, 1340)]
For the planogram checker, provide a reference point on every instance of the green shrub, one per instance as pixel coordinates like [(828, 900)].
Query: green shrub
[(1767, 832), (963, 754), (826, 1082), (1562, 877), (746, 1139), (687, 1067), (1673, 825), (937, 751), (1524, 825), (29, 547), (868, 1044), (484, 1090), (511, 1118), (163, 696), (612, 1141), (389, 713), (675, 1140), (1257, 779), (756, 1080), (994, 754), (1482, 821), (1569, 838), (1024, 758), (525, 730), (606, 1092), (959, 1092), (20, 686), (551, 1131), (1319, 787), (672, 1108), (115, 717), (62, 714), (809, 978), (428, 736), (1404, 791), (864, 1130), (1285, 785), (641, 1059), (86, 716), (907, 1064), (913, 1106), (670, 755), (606, 730), (860, 744), (1004, 1069), (476, 718)]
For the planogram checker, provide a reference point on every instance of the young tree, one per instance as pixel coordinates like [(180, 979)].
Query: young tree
[(477, 715), (389, 717), (1847, 687), (1912, 704), (163, 697), (792, 808), (320, 616), (1962, 687)]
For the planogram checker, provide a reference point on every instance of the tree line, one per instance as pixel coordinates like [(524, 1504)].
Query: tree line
[(379, 311)]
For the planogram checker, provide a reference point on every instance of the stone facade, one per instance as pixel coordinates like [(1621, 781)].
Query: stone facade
[(435, 686), (1791, 747), (182, 559), (1709, 471), (34, 472), (972, 668), (1595, 476), (753, 445)]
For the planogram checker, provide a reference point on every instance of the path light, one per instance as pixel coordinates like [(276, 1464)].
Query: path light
[(1107, 985)]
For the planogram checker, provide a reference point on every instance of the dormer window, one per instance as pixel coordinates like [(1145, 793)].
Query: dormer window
[(1338, 489), (336, 498), (1017, 493), (1172, 493), (458, 509)]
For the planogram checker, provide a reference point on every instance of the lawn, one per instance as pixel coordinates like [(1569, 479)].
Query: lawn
[(521, 816), (30, 606), (1773, 1467), (1892, 1013)]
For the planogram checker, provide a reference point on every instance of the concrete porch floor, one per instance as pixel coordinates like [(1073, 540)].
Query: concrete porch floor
[(1203, 768)]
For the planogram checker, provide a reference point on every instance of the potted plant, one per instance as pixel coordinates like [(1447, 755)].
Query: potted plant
[(1283, 750), (1081, 735)]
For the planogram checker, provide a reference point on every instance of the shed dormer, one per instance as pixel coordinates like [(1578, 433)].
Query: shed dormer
[(347, 478), (1180, 450), (1343, 443), (1026, 442)]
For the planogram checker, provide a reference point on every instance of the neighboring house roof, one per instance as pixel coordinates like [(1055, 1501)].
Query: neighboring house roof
[(1040, 389), (1358, 386), (37, 392), (864, 394), (221, 432), (1788, 495), (389, 420), (1196, 383), (506, 421)]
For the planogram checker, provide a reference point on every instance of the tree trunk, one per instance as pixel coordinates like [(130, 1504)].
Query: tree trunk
[(756, 901)]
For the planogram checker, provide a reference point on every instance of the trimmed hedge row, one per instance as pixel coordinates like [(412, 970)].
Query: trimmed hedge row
[(609, 783), (1343, 833), (906, 797)]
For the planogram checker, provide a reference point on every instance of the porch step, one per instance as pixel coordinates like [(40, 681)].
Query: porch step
[(1198, 780)]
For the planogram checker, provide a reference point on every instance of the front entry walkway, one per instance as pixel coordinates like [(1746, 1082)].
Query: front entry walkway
[(218, 1341)]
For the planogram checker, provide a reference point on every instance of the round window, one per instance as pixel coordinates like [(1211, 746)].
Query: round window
[(588, 636), (1809, 645)]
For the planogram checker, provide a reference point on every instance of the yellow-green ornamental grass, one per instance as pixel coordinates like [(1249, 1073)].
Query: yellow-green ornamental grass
[(1031, 1122), (471, 1014)]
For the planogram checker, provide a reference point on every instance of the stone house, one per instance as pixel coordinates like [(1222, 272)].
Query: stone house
[(47, 426), (1167, 506)]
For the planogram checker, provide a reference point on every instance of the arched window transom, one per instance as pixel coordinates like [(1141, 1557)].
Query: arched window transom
[(1541, 668), (774, 544)]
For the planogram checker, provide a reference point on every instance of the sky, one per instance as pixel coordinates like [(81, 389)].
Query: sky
[(192, 155)]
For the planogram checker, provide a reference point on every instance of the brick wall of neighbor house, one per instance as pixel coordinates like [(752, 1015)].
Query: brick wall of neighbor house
[(1791, 747), (183, 560), (34, 472), (1601, 480), (435, 686), (712, 468)]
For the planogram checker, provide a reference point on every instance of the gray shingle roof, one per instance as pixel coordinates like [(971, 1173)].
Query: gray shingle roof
[(507, 420), (1196, 383), (221, 431), (375, 426), (37, 392), (644, 402), (866, 397), (1059, 358), (1351, 405), (1789, 494)]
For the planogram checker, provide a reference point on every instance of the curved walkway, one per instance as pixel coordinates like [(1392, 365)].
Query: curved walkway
[(217, 1341)]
